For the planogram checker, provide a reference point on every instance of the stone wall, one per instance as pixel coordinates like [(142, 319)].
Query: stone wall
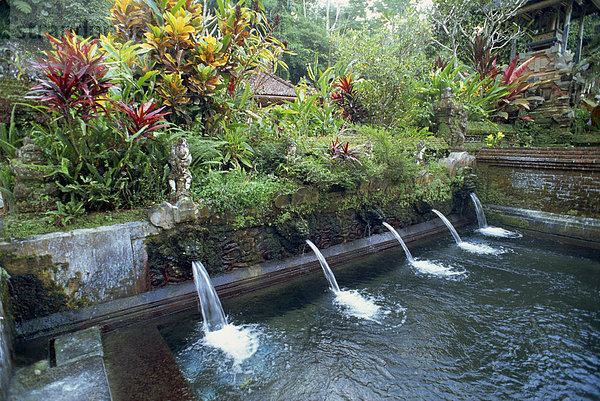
[(556, 180), (64, 271), (59, 271), (551, 102), (221, 247), (5, 338)]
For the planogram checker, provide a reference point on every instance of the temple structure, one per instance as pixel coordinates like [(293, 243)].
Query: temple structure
[(549, 24)]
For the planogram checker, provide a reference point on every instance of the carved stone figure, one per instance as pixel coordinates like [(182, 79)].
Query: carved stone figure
[(452, 121), (180, 177), (33, 191)]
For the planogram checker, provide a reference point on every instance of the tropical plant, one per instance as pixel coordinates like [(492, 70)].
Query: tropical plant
[(199, 58), (515, 80), (10, 138), (340, 152), (235, 148), (482, 57), (96, 155), (75, 80), (348, 100), (142, 119), (389, 59)]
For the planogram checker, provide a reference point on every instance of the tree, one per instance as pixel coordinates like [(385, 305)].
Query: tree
[(456, 22), (386, 61), (306, 38)]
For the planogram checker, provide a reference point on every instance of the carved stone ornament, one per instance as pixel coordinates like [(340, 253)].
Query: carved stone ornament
[(180, 177)]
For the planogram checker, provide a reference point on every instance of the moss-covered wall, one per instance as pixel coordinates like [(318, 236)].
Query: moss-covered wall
[(334, 218), (61, 271), (555, 180)]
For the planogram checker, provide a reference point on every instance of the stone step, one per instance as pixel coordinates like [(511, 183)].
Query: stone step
[(140, 366), (547, 157), (78, 375)]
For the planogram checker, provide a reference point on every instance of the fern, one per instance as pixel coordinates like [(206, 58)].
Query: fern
[(22, 6)]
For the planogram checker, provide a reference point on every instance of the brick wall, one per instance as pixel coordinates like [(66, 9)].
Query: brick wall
[(557, 180)]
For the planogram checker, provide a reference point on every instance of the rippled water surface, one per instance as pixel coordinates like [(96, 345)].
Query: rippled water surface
[(523, 323)]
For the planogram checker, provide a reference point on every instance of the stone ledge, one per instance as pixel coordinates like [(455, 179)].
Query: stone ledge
[(79, 373), (582, 231)]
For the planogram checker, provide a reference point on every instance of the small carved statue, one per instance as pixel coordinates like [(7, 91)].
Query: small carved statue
[(180, 177), (33, 191), (452, 121)]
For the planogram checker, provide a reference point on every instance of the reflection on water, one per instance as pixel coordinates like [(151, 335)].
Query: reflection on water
[(522, 324)]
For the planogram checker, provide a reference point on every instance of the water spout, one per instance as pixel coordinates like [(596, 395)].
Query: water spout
[(399, 238), (449, 225), (479, 210), (326, 269), (212, 311), (490, 230)]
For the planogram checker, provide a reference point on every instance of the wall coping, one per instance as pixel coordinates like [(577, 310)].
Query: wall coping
[(587, 159)]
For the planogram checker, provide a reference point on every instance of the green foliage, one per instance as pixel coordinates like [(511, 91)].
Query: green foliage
[(310, 114), (32, 18), (312, 166), (100, 157), (110, 171), (201, 59), (23, 226), (386, 61), (392, 153), (10, 137), (239, 192), (306, 39)]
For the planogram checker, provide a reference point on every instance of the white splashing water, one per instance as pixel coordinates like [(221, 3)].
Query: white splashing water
[(499, 232), (478, 248), (237, 342), (428, 267), (357, 305)]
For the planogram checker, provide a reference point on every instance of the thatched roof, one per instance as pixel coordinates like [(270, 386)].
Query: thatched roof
[(269, 88)]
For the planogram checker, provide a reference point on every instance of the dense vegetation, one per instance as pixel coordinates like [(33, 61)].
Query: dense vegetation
[(110, 105)]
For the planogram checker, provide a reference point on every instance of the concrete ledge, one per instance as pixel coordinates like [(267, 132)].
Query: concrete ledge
[(576, 230), (180, 297), (79, 373), (95, 264)]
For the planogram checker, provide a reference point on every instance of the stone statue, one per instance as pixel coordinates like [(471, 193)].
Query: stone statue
[(180, 177), (452, 121), (33, 192)]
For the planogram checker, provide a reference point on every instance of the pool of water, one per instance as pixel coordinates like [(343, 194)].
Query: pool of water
[(520, 323)]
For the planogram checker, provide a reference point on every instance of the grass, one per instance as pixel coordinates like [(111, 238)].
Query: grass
[(26, 225)]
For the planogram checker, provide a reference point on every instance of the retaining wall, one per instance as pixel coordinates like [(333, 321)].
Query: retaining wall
[(556, 180)]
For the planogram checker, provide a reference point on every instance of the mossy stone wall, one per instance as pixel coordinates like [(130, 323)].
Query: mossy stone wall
[(555, 180), (336, 218)]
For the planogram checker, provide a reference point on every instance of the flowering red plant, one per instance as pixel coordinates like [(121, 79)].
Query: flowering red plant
[(143, 119)]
